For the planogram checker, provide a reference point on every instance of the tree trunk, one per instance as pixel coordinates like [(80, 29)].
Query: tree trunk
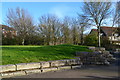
[(23, 42), (99, 41), (111, 36), (82, 37)]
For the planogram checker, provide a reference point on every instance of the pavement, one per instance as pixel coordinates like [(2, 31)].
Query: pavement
[(86, 72)]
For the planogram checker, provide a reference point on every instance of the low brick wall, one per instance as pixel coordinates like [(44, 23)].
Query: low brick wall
[(40, 67)]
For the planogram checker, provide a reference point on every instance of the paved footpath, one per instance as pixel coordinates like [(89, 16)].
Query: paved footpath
[(86, 72)]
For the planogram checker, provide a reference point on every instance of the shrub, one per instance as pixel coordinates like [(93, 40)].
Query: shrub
[(91, 40)]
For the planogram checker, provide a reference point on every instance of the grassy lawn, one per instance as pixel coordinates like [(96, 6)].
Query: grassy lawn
[(25, 54)]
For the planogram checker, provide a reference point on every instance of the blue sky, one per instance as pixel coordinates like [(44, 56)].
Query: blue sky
[(37, 9)]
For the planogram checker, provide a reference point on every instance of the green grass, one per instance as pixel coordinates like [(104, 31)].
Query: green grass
[(25, 54)]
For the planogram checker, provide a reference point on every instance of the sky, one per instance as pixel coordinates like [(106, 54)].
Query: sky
[(37, 9)]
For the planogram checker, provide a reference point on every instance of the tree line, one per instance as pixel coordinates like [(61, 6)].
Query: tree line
[(52, 31)]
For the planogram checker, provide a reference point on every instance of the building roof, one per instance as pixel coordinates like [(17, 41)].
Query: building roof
[(7, 28), (93, 31), (106, 30)]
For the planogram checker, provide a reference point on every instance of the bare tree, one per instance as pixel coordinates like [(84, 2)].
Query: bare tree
[(21, 21), (118, 12), (115, 18), (75, 31), (97, 12), (49, 27), (83, 22), (44, 28), (65, 30)]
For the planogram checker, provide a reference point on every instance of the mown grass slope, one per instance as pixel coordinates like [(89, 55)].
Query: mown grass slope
[(25, 54)]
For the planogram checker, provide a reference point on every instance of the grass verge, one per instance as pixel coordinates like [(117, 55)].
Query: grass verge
[(25, 54)]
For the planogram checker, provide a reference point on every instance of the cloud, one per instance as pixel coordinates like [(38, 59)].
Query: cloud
[(61, 10)]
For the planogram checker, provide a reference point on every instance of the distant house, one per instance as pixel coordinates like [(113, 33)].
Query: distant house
[(109, 32), (93, 31), (8, 31)]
